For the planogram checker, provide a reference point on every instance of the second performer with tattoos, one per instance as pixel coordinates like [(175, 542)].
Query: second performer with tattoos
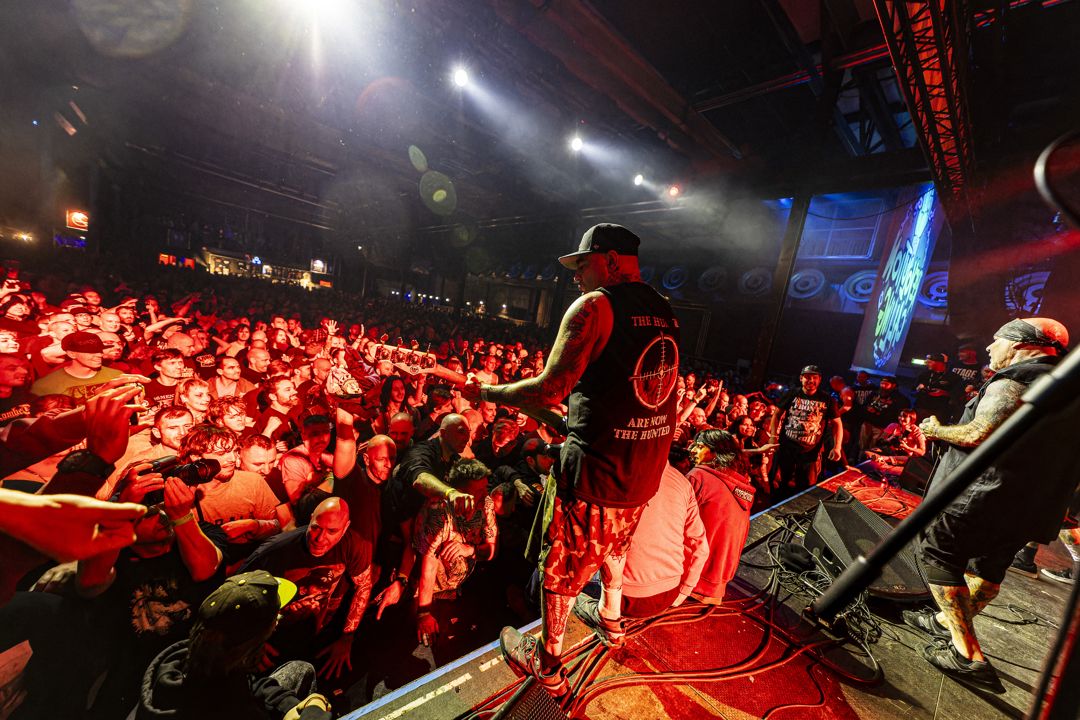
[(967, 549), (616, 356)]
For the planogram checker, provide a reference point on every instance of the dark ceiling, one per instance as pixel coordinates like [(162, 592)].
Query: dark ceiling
[(259, 105)]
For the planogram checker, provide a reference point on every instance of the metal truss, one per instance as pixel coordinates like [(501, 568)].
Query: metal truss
[(926, 40)]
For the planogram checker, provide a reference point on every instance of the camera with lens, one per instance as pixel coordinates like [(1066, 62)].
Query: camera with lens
[(196, 472)]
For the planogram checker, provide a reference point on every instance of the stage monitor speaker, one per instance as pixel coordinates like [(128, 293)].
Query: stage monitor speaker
[(843, 529), (916, 475)]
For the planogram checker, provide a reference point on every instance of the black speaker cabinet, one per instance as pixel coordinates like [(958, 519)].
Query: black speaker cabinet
[(916, 475), (843, 529)]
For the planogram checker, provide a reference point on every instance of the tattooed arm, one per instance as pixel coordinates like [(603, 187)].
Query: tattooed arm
[(361, 596), (1001, 400), (585, 330), (338, 654)]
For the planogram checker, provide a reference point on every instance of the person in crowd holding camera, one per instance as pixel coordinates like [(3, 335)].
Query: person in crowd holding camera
[(147, 593), (240, 502)]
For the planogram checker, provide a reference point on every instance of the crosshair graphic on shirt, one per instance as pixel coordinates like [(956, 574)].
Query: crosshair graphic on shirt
[(656, 371)]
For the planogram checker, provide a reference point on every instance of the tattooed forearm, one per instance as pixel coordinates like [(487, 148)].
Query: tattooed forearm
[(1001, 400), (569, 356), (361, 596)]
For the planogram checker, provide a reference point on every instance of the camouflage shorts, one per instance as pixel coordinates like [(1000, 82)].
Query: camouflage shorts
[(578, 539)]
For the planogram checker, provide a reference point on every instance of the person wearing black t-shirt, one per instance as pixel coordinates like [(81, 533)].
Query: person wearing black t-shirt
[(881, 410), (937, 391), (359, 479), (150, 591), (799, 425), (276, 421), (15, 396), (169, 370), (316, 558)]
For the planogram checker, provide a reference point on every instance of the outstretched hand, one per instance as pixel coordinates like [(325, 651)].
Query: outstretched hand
[(390, 596), (68, 527), (471, 391), (107, 422), (338, 656)]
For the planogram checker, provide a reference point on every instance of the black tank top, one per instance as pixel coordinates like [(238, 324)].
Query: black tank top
[(623, 409), (1024, 502)]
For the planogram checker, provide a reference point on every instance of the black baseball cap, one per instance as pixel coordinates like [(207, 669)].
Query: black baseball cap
[(811, 370), (938, 357), (603, 238), (246, 605)]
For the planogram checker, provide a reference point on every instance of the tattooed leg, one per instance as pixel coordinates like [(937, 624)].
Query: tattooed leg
[(611, 584), (1071, 538), (955, 604), (556, 612), (982, 592)]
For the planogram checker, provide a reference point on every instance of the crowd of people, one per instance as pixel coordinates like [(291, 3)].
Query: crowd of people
[(360, 452)]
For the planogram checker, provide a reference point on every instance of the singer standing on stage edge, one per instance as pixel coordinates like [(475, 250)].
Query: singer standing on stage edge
[(616, 356)]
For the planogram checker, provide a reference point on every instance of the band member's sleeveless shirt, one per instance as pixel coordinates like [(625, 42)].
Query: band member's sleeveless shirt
[(622, 414)]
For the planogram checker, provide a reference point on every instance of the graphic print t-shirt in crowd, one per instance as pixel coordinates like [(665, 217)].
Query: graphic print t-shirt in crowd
[(319, 591), (438, 525), (807, 417), (622, 410)]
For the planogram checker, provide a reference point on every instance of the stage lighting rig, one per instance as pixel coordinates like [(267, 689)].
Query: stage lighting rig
[(576, 143), (461, 77), (639, 179)]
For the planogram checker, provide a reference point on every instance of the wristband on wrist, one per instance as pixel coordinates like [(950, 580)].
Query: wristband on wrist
[(184, 519), (422, 610), (402, 578)]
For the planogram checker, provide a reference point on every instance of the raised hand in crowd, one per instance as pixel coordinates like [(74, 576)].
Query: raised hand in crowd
[(108, 422)]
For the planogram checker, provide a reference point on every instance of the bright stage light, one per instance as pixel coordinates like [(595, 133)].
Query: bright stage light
[(461, 77), (638, 179), (674, 191), (576, 144)]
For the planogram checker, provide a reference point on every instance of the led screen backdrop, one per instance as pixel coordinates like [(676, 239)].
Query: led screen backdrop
[(896, 291)]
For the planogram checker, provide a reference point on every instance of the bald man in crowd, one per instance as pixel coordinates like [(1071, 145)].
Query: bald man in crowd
[(316, 558), (360, 478), (967, 549)]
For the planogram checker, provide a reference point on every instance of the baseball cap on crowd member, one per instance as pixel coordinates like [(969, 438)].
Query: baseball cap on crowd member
[(937, 357), (246, 605), (81, 341), (811, 370), (603, 238)]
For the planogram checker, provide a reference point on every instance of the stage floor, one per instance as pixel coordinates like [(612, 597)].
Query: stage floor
[(759, 662)]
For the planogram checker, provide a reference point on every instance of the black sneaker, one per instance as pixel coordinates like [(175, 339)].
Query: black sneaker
[(610, 632), (926, 620), (946, 658), (1062, 576), (522, 654), (1020, 567)]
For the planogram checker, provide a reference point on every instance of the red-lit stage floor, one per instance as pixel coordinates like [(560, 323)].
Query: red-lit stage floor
[(751, 658)]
